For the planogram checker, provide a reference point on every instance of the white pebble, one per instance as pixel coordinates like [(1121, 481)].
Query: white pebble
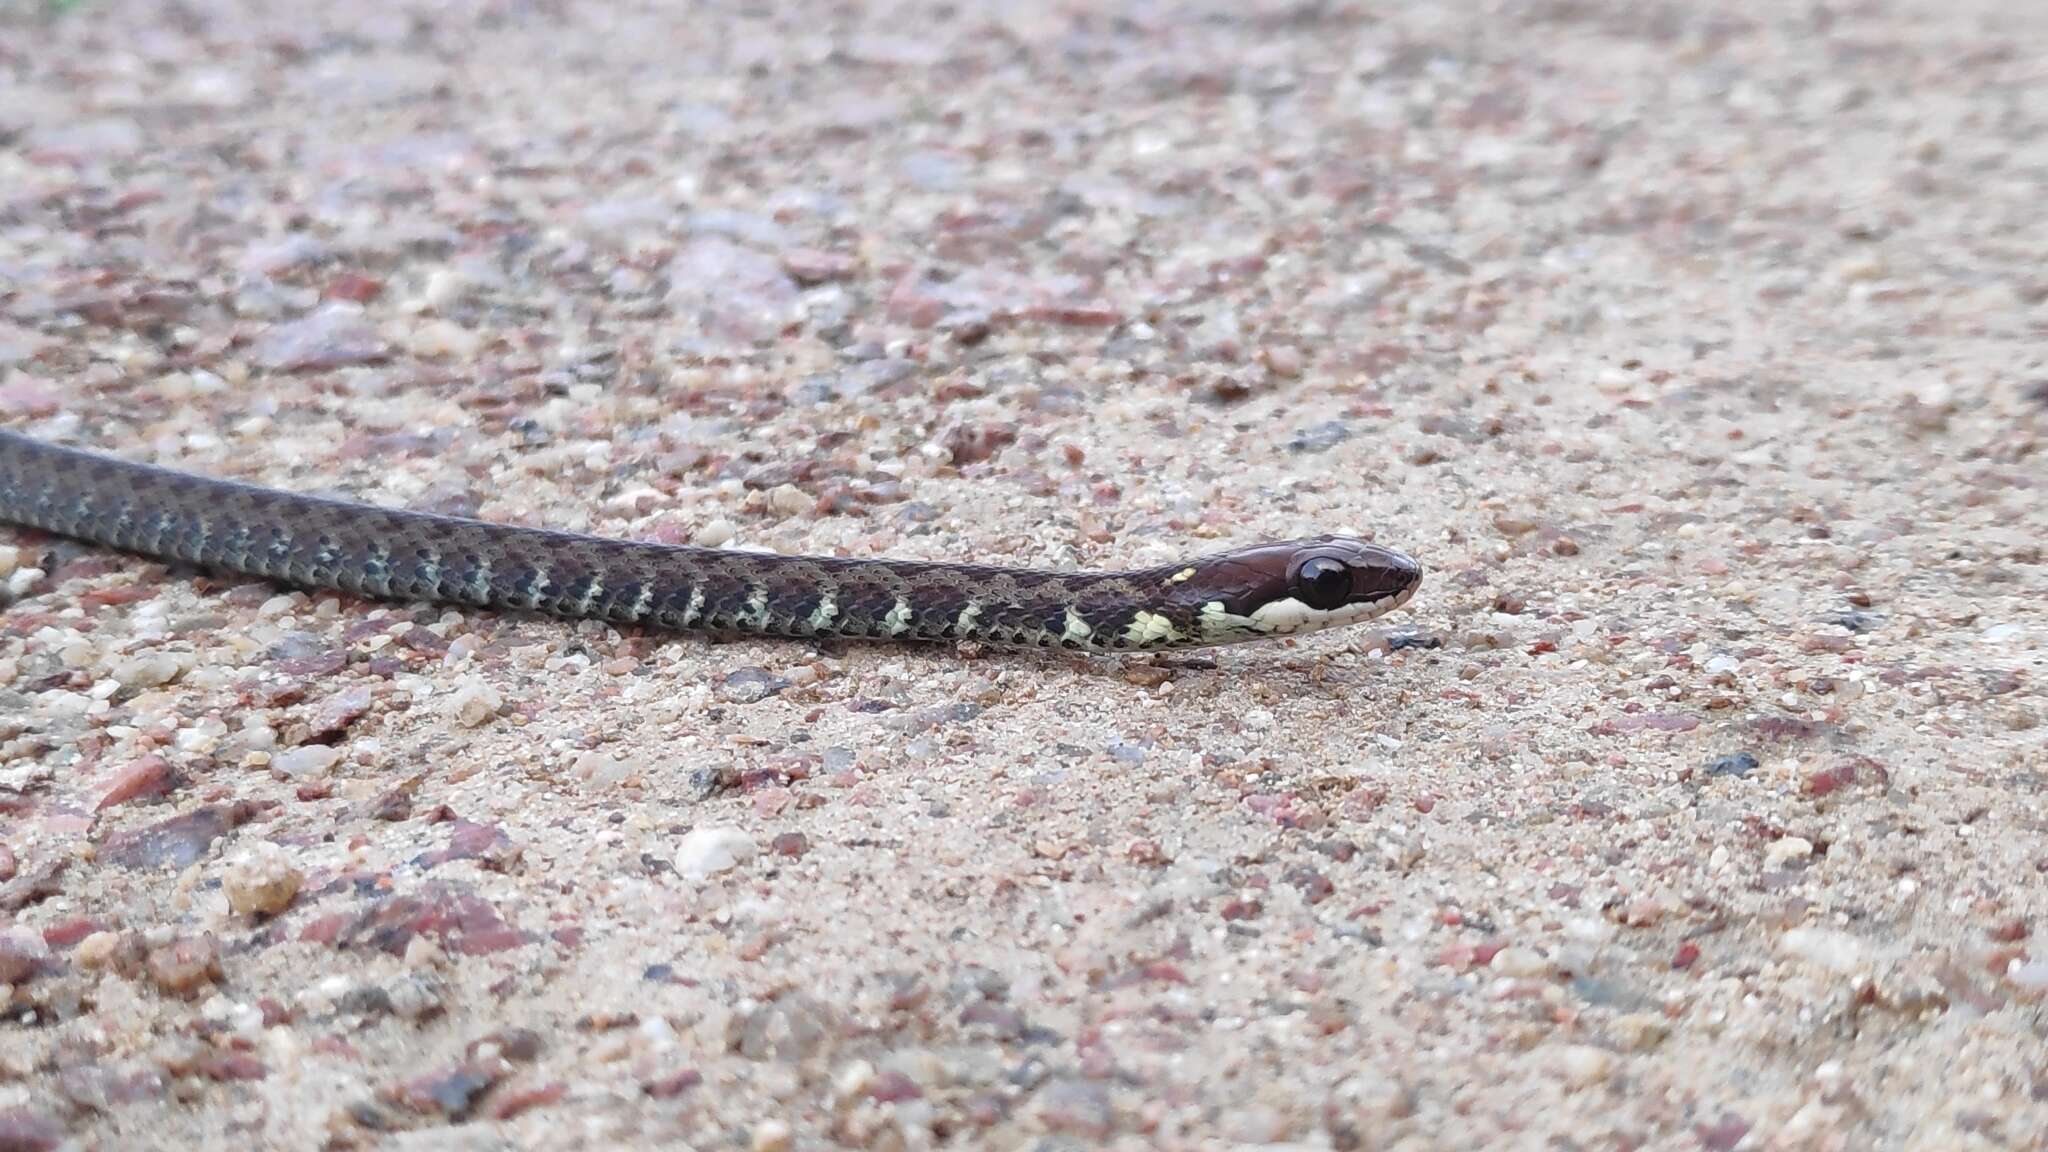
[(715, 534), (283, 604), (773, 1136), (310, 760), (714, 849), (1786, 849), (22, 580), (10, 559), (474, 703), (602, 771), (1824, 948), (789, 500), (444, 338), (1522, 962), (1583, 1065), (148, 670)]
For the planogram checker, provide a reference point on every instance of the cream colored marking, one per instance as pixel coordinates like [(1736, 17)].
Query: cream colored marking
[(1077, 628), (1288, 617), (897, 621), (1183, 574), (590, 595), (757, 606), (480, 584), (695, 608), (1283, 616), (643, 601), (1150, 628), (430, 570), (965, 623), (1217, 622), (826, 611), (539, 586)]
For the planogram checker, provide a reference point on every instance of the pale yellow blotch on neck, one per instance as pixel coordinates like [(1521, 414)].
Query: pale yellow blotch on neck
[(1182, 575), (1150, 628), (965, 624), (1077, 629)]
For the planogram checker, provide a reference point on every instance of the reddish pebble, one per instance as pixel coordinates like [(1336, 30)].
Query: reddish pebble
[(1722, 1135), (65, 933), (23, 1130), (674, 1084), (147, 777), (185, 966), (1688, 952), (2009, 931), (1164, 972), (1148, 853), (1828, 780), (226, 1066), (355, 287), (1242, 910), (790, 844), (22, 955), (109, 597), (892, 1088), (512, 1101)]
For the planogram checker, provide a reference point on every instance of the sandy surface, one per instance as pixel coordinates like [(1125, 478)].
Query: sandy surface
[(1696, 802)]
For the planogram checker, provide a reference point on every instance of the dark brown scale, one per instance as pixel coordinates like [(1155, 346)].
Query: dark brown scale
[(395, 554)]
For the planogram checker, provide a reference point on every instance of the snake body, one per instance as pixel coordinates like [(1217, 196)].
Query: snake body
[(1288, 587)]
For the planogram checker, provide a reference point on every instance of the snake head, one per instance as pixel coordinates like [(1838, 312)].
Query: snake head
[(1296, 586)]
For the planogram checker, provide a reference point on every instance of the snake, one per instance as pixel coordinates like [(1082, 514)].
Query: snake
[(1263, 590)]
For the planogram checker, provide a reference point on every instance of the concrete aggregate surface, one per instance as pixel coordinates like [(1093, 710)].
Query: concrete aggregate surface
[(1699, 349)]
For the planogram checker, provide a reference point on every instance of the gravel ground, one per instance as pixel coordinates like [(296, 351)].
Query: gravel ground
[(1697, 802)]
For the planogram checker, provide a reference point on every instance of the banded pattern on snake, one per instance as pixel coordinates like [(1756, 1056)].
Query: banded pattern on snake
[(1275, 589)]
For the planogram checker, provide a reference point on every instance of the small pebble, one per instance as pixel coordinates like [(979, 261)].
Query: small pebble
[(474, 703), (97, 950), (310, 761), (772, 1136), (186, 965), (789, 500), (22, 954), (149, 670), (1824, 948), (260, 880), (1787, 849), (708, 851), (1524, 963), (1583, 1065)]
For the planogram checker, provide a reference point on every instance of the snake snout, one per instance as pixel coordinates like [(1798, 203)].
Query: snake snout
[(1385, 573)]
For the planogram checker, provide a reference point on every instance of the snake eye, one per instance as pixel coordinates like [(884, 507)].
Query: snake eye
[(1323, 583)]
